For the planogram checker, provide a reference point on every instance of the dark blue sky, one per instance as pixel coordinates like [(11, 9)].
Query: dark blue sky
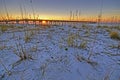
[(60, 8)]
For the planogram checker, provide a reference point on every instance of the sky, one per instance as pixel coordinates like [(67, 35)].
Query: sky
[(60, 9)]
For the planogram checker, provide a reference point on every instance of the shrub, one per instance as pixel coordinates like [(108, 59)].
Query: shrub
[(74, 26), (3, 28), (83, 25), (114, 35), (108, 30), (99, 26)]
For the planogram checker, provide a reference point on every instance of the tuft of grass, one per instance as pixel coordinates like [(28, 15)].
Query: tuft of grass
[(27, 36), (70, 40), (87, 32), (73, 40), (22, 53), (114, 35)]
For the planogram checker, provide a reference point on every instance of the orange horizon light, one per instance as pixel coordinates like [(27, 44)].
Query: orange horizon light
[(44, 22)]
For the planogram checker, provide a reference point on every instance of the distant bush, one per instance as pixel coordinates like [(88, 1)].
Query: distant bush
[(114, 35), (83, 25), (74, 26), (3, 28), (117, 27), (99, 26), (108, 29)]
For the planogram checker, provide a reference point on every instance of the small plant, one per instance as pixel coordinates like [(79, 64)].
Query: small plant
[(87, 33), (27, 37), (71, 39), (21, 53), (114, 35)]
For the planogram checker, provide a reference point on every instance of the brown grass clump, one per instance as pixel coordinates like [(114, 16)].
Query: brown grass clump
[(114, 35), (3, 28)]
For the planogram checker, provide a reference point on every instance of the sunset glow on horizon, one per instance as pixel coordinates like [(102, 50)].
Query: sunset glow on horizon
[(82, 10)]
